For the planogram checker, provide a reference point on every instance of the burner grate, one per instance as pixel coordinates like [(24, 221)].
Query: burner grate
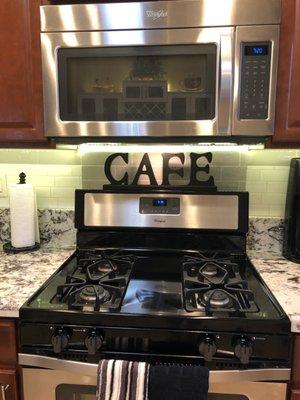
[(215, 285), (99, 281)]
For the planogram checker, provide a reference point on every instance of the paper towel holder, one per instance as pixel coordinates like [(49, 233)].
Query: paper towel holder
[(8, 247)]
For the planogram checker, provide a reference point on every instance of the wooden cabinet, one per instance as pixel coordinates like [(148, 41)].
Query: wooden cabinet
[(287, 124), (8, 385), (21, 104), (295, 384), (8, 360), (295, 395)]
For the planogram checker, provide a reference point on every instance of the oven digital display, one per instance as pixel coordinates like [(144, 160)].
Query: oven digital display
[(159, 202), (256, 50)]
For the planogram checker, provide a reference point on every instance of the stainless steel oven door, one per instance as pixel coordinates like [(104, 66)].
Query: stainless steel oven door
[(84, 96), (56, 379)]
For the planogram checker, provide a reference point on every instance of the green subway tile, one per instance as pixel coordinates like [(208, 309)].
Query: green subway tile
[(277, 187), (99, 159), (69, 157), (66, 202), (92, 184), (42, 192), (275, 174), (275, 199), (255, 198), (57, 192), (253, 173), (215, 172), (229, 158), (256, 187), (259, 210), (19, 156), (44, 202), (227, 186), (94, 172), (68, 181), (277, 211), (233, 173), (268, 157)]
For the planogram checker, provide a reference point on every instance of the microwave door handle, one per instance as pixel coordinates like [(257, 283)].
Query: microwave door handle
[(226, 85), (75, 367)]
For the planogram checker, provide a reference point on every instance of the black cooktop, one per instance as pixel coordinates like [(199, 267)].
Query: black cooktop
[(122, 285)]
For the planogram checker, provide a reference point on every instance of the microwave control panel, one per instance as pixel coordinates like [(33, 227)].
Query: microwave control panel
[(159, 205), (255, 80)]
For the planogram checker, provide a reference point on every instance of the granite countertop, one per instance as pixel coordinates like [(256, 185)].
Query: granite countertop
[(22, 274), (283, 279)]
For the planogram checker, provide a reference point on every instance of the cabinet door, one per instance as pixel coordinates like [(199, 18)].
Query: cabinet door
[(21, 105), (295, 395), (296, 365), (287, 124), (8, 343), (8, 385)]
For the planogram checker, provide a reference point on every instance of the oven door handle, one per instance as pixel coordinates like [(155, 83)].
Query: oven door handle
[(252, 375), (225, 84)]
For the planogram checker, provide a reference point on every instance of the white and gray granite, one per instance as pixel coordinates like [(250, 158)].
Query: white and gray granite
[(56, 227), (57, 230), (265, 234), (283, 278), (23, 273)]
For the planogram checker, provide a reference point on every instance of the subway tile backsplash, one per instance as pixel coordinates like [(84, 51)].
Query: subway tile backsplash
[(57, 173)]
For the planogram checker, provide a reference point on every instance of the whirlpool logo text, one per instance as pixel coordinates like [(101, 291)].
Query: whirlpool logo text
[(154, 15)]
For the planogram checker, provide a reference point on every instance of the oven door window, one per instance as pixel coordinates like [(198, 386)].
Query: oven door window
[(83, 392), (75, 392), (142, 83)]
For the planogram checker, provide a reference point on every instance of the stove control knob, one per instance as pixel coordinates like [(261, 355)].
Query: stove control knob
[(60, 340), (208, 347), (243, 349), (93, 342)]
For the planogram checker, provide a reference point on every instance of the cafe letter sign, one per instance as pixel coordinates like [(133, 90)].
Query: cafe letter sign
[(145, 169)]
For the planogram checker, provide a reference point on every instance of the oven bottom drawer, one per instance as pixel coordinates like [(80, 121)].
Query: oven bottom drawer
[(63, 385)]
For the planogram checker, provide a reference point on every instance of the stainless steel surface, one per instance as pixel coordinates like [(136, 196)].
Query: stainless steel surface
[(276, 374), (3, 389), (196, 211), (226, 82), (161, 14), (163, 23), (255, 127), (54, 126)]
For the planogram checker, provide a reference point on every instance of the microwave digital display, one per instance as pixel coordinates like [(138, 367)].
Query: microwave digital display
[(256, 50)]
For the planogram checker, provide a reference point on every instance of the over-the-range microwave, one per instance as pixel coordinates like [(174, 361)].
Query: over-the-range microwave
[(187, 70)]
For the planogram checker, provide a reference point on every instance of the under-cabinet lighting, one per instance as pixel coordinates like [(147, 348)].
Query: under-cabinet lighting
[(163, 148)]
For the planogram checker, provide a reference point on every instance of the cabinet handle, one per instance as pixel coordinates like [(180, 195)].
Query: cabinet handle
[(3, 389)]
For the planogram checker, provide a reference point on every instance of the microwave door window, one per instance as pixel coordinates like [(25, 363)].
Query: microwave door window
[(142, 83)]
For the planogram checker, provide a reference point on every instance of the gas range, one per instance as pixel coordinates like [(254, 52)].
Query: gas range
[(136, 290)]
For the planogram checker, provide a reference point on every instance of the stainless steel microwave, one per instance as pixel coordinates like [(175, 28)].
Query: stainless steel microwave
[(168, 69)]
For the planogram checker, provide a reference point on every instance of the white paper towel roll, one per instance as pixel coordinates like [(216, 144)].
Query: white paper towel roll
[(23, 215)]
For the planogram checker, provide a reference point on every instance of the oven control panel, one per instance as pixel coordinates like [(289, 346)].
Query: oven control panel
[(160, 205), (255, 80)]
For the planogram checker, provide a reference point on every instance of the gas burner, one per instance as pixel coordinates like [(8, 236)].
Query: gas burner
[(210, 269), (91, 293), (215, 285), (217, 298), (99, 280)]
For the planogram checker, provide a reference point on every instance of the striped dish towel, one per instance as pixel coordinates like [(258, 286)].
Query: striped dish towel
[(122, 380)]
